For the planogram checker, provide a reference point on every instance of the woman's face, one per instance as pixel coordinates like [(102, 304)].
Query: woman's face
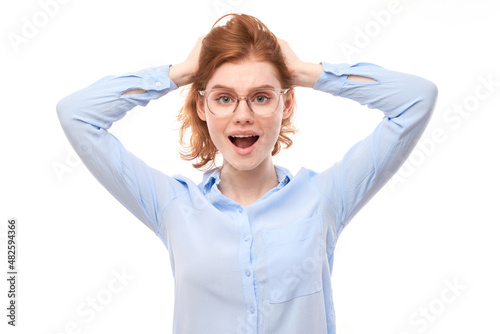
[(245, 153)]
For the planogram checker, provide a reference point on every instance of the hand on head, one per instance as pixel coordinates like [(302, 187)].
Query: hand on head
[(303, 74)]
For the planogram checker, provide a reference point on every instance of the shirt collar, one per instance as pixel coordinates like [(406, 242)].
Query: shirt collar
[(212, 178)]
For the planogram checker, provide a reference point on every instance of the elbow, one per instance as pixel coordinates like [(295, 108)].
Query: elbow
[(429, 94), (63, 109), (417, 112), (427, 102)]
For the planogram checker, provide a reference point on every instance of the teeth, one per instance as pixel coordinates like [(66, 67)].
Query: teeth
[(242, 136)]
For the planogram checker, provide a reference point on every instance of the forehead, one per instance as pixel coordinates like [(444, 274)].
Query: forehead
[(245, 76)]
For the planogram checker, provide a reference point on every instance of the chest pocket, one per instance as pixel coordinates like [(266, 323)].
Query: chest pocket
[(294, 260)]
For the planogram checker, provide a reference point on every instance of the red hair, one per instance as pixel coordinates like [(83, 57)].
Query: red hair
[(241, 37)]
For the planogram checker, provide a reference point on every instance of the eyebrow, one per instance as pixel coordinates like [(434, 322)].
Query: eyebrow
[(254, 88)]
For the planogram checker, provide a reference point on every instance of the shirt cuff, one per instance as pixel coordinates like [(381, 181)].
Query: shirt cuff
[(155, 78), (155, 81), (333, 78)]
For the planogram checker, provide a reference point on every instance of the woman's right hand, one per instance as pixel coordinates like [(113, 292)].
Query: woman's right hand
[(182, 74)]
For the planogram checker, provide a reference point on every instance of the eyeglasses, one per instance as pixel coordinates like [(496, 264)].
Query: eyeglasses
[(223, 102)]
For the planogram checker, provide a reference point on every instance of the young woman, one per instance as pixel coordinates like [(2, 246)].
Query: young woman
[(251, 247)]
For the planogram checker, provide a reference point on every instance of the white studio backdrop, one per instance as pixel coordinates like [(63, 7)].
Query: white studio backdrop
[(421, 257)]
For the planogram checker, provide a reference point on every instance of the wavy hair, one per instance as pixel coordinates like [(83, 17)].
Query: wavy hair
[(241, 37)]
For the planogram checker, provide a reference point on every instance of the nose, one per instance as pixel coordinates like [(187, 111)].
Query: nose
[(243, 114)]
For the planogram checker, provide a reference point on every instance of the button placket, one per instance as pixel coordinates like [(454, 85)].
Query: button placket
[(246, 263)]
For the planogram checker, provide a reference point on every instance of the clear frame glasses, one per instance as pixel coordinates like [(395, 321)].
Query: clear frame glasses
[(223, 102)]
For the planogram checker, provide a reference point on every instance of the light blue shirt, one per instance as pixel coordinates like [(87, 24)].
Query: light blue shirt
[(265, 268)]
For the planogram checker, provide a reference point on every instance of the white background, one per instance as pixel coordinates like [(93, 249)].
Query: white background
[(436, 226)]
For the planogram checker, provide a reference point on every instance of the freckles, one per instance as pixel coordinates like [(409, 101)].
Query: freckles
[(276, 124), (215, 125), (272, 129)]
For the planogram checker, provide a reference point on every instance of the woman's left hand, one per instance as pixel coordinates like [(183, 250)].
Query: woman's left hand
[(303, 74)]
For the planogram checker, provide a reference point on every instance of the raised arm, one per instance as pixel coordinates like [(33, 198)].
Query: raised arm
[(407, 102), (86, 116), (306, 74), (181, 74)]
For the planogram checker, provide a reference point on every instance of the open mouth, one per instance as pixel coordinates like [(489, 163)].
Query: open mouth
[(243, 141)]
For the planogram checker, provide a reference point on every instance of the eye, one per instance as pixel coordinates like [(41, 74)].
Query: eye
[(224, 99), (261, 98)]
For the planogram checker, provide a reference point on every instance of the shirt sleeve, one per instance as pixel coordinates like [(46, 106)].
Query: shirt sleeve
[(86, 116), (407, 102)]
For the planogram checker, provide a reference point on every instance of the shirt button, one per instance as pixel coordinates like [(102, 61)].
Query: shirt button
[(248, 273), (158, 83), (240, 210), (252, 310), (247, 238)]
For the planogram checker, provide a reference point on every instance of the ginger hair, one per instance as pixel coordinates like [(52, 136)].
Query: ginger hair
[(241, 37)]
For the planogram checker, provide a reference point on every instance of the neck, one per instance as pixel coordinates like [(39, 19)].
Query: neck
[(247, 186)]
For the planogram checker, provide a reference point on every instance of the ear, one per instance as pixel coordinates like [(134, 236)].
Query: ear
[(288, 104), (200, 109)]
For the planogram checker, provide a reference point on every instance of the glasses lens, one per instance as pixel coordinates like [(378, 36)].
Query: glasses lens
[(262, 102), (222, 102)]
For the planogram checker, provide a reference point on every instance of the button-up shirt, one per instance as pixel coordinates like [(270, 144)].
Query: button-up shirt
[(266, 267)]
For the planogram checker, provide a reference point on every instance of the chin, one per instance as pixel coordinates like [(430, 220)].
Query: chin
[(245, 163)]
